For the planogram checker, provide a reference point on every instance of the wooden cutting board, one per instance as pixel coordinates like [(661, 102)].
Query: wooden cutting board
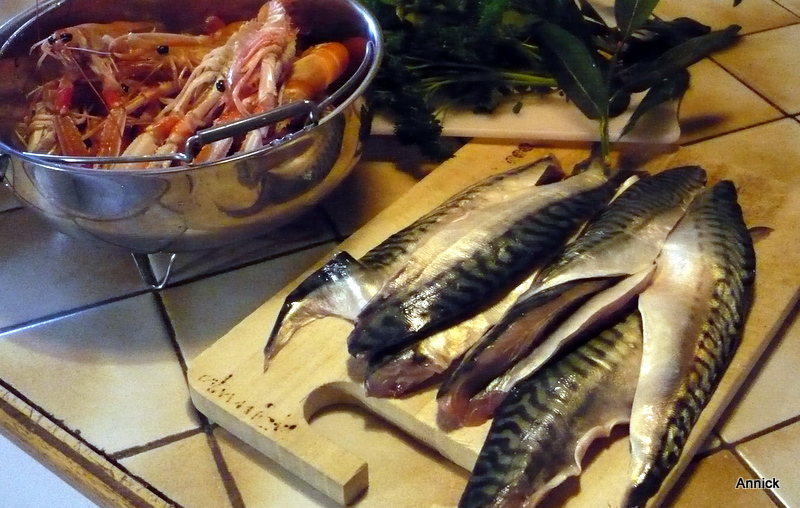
[(270, 410)]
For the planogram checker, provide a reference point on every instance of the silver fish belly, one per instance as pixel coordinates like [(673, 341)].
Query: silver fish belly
[(476, 260), (625, 240), (344, 285), (692, 314), (418, 364), (543, 428)]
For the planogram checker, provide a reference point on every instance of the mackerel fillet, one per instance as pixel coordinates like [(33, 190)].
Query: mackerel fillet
[(582, 283), (476, 260), (692, 315), (543, 428), (344, 285)]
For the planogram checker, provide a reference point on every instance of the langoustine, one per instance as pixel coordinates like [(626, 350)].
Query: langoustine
[(133, 89), (230, 72)]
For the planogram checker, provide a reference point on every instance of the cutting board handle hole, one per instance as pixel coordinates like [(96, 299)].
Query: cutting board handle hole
[(331, 394)]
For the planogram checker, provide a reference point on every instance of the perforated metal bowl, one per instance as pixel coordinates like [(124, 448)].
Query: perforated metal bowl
[(188, 206)]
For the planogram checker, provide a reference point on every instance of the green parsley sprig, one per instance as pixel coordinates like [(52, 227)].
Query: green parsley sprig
[(476, 52)]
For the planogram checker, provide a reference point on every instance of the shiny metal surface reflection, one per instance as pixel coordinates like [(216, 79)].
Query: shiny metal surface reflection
[(188, 207)]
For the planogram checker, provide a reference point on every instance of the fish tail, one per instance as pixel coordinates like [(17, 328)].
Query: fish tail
[(299, 306), (541, 430)]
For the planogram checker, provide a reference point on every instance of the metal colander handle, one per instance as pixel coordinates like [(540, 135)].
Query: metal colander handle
[(310, 109)]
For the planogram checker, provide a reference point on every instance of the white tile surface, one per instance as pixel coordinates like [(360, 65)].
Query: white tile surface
[(24, 483), (46, 272), (203, 311), (764, 403), (306, 230), (110, 373), (774, 455)]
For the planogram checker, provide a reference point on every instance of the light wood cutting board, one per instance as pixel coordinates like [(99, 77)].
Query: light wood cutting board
[(270, 410)]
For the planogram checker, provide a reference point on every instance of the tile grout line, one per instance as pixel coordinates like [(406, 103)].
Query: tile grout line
[(152, 445), (736, 130), (71, 312), (75, 434), (77, 310), (749, 86), (233, 268), (769, 492), (228, 481), (789, 11), (772, 428)]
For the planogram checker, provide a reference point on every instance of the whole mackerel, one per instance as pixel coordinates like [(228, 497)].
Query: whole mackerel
[(543, 428), (595, 276), (692, 315), (344, 285), (419, 363), (476, 259)]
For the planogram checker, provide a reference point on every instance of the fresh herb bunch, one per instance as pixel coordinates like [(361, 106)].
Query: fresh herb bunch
[(476, 52)]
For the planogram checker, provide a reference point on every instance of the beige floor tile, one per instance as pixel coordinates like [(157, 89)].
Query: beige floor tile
[(765, 402), (711, 481), (49, 272), (751, 15), (311, 228), (203, 311), (185, 471), (717, 103), (774, 455), (109, 373), (774, 145), (261, 482), (792, 5), (756, 59)]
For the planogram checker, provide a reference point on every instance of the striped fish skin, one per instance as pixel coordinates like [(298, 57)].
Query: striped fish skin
[(393, 251), (344, 285), (396, 375), (600, 308), (481, 256), (628, 235), (543, 428), (693, 314), (505, 343), (625, 239)]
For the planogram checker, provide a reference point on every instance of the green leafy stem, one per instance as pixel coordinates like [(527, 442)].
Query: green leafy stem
[(476, 52)]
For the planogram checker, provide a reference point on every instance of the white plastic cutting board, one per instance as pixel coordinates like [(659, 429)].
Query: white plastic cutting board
[(551, 118)]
